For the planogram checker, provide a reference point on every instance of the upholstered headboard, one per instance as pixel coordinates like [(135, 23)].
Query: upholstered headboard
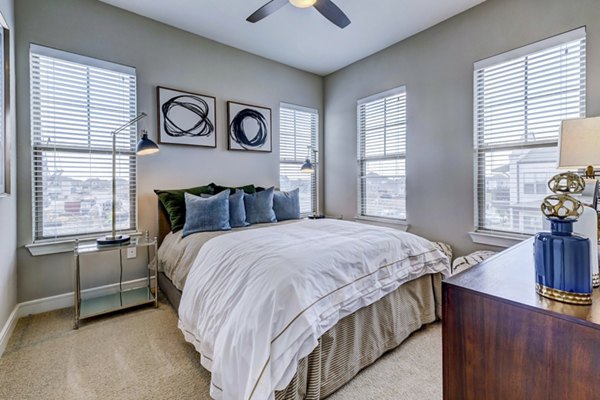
[(164, 223)]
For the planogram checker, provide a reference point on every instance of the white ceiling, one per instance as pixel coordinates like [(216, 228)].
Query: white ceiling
[(302, 38)]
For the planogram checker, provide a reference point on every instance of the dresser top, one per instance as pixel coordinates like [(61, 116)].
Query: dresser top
[(510, 276)]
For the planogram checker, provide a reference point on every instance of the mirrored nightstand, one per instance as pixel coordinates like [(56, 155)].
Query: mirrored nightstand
[(123, 298)]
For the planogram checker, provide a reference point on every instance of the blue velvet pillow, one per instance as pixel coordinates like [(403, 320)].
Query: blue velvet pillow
[(259, 207), (287, 205), (237, 210), (204, 215)]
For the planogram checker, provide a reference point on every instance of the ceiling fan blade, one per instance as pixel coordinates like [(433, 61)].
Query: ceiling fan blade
[(266, 10), (332, 12)]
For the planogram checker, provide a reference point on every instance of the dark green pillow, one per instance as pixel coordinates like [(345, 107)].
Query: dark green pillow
[(250, 189), (174, 203)]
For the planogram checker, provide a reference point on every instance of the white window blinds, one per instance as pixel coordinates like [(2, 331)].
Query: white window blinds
[(520, 99), (76, 102), (382, 155), (298, 130)]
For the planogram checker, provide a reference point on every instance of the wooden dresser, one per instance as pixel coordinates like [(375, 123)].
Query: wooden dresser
[(503, 341)]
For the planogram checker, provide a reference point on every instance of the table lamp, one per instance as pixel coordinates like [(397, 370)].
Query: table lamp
[(579, 148)]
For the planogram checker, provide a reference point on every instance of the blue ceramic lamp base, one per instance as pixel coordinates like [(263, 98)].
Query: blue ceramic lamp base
[(562, 264)]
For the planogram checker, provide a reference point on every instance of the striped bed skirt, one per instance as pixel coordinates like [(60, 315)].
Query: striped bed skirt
[(359, 339)]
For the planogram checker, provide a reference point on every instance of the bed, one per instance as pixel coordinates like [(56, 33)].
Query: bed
[(353, 335)]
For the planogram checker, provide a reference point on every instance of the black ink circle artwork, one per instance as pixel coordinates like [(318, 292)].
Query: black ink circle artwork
[(236, 129), (201, 127)]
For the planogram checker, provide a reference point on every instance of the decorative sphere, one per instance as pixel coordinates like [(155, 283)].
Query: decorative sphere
[(567, 182), (561, 206)]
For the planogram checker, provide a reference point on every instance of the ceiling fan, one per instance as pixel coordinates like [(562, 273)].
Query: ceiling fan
[(326, 7)]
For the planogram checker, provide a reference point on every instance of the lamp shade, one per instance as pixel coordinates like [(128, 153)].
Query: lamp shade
[(307, 167), (146, 146), (579, 143)]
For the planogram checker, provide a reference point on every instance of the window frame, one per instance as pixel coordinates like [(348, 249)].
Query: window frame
[(37, 212), (361, 161), (299, 161), (481, 233)]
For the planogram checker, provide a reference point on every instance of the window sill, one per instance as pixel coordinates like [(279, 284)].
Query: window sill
[(60, 246), (395, 223), (497, 239)]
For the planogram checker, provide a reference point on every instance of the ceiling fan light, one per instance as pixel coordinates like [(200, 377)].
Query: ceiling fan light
[(303, 3)]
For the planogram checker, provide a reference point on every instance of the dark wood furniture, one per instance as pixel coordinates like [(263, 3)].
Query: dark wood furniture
[(503, 341)]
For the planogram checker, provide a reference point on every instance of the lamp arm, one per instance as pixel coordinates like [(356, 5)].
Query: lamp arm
[(128, 124), (114, 171)]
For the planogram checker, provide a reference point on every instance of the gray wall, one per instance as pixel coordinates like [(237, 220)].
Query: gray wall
[(164, 56), (437, 67), (8, 205)]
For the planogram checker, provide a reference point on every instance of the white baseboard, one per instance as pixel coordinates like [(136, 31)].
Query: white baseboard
[(65, 300), (8, 329), (52, 303)]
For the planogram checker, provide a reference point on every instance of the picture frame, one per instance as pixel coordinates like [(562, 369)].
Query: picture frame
[(249, 127), (5, 84), (186, 118)]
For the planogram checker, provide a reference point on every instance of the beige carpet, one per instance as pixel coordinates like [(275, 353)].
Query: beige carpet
[(142, 355)]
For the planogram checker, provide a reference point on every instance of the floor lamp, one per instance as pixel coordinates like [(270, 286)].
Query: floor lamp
[(310, 168), (145, 146)]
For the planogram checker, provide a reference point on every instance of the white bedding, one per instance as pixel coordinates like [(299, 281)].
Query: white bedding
[(176, 254), (256, 301)]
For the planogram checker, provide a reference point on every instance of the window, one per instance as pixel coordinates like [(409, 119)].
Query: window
[(298, 130), (382, 155), (521, 97), (76, 102)]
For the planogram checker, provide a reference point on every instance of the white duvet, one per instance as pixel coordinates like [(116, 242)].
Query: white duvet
[(256, 302)]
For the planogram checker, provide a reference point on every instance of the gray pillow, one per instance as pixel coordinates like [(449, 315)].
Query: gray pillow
[(259, 207), (237, 210), (287, 205), (204, 215)]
